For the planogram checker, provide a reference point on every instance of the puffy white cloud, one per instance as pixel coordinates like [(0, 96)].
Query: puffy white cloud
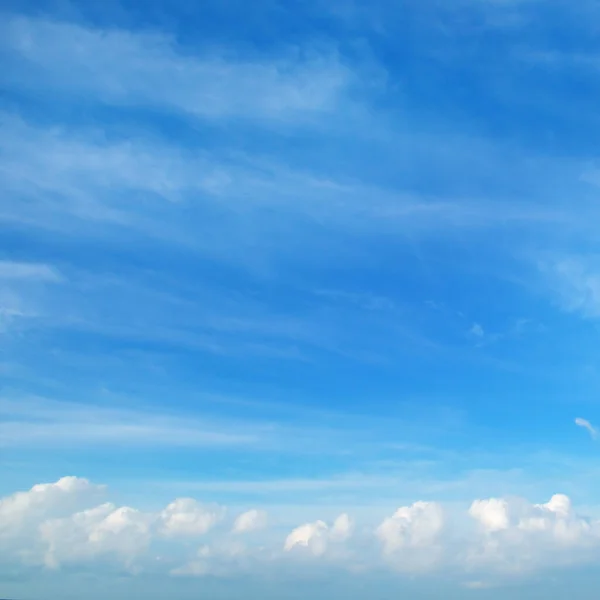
[(413, 526), (317, 536), (122, 533), (43, 500), (491, 514), (187, 517), (59, 524), (342, 528), (410, 537), (251, 520), (22, 513), (518, 536), (310, 535), (559, 521)]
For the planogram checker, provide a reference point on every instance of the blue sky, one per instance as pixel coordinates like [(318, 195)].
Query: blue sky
[(329, 265)]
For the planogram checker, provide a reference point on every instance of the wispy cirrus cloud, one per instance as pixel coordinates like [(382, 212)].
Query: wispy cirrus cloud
[(161, 189), (39, 422), (49, 423), (149, 68), (585, 424)]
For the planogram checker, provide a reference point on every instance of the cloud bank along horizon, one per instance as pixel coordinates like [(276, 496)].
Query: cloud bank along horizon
[(69, 523)]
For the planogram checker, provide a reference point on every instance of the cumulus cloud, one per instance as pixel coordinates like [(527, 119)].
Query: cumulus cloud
[(251, 520), (518, 536), (54, 525), (23, 513), (187, 517), (61, 523), (310, 535), (492, 514), (342, 528), (410, 537), (587, 425), (43, 501), (121, 533), (318, 535)]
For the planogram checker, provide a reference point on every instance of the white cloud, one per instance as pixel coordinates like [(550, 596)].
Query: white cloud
[(518, 536), (415, 526), (411, 536), (318, 536), (23, 513), (122, 533), (491, 514), (60, 524), (342, 528), (585, 424), (186, 517), (45, 500), (311, 535), (251, 520)]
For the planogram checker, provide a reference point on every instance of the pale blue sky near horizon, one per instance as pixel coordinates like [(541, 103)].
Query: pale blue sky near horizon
[(307, 257)]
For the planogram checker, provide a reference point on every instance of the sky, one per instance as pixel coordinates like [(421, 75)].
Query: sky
[(299, 299)]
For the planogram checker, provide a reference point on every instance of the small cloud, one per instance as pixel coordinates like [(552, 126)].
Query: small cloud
[(318, 535), (310, 535), (477, 330), (587, 425)]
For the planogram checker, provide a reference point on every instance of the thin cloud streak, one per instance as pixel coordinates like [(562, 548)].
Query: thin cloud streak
[(72, 178), (46, 423), (148, 69), (585, 424), (26, 271)]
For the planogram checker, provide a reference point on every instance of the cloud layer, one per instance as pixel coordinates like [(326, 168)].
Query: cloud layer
[(57, 525)]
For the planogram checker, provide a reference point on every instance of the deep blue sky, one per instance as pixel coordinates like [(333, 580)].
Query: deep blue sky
[(308, 258)]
